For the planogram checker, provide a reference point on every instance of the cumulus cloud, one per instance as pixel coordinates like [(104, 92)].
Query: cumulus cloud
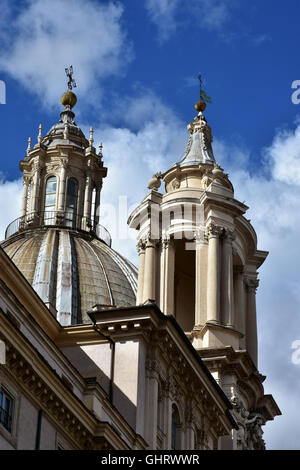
[(272, 192), (163, 13), (151, 139), (10, 202), (168, 15), (48, 35), (273, 195), (155, 140)]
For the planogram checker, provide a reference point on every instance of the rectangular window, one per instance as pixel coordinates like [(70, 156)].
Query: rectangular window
[(6, 409)]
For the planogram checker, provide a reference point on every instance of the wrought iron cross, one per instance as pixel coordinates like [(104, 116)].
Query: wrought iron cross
[(69, 73), (200, 81), (203, 95)]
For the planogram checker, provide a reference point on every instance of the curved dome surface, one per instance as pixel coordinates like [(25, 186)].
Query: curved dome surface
[(72, 272)]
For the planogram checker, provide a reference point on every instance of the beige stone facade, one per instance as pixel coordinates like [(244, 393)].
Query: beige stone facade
[(95, 354)]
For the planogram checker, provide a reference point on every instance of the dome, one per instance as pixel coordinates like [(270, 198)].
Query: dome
[(72, 271)]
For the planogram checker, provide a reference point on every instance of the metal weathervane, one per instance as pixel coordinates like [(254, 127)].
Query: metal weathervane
[(203, 95), (69, 73)]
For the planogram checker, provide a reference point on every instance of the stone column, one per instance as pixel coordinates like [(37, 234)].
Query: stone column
[(200, 285), (227, 279), (97, 204), (141, 251), (239, 302), (213, 274), (25, 195), (149, 271), (35, 195), (167, 276), (87, 200), (62, 186), (251, 325)]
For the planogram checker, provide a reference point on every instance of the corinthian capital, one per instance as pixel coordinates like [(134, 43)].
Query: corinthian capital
[(26, 180), (251, 284), (228, 235), (213, 230), (64, 163), (141, 245)]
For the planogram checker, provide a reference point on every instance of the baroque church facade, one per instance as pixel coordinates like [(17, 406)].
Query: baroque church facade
[(97, 354)]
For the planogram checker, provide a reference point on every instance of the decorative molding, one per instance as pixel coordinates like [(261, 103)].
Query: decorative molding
[(251, 284), (213, 230)]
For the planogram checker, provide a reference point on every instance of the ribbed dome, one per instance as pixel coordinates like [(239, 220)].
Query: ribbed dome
[(72, 272)]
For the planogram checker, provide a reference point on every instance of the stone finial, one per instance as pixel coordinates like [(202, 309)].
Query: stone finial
[(100, 150), (91, 140), (40, 134), (29, 145), (155, 181)]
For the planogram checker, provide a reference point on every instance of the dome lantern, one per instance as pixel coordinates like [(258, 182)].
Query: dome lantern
[(72, 265)]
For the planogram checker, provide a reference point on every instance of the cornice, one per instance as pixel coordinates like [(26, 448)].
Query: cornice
[(163, 332), (42, 385)]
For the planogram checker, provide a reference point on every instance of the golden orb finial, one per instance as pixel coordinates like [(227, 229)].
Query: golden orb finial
[(68, 98), (200, 106)]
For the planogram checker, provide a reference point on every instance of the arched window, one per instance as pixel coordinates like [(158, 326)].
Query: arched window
[(71, 204), (28, 210), (50, 201), (93, 206), (176, 429)]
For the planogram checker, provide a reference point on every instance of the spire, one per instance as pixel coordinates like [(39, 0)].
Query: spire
[(40, 134), (199, 149), (68, 99)]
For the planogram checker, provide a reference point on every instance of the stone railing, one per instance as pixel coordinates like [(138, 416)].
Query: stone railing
[(58, 219)]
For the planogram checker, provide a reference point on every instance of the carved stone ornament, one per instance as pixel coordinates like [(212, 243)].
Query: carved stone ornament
[(251, 284), (64, 162), (141, 245), (155, 181), (206, 180), (165, 240), (175, 184), (213, 230), (26, 180), (228, 235), (53, 167), (249, 434)]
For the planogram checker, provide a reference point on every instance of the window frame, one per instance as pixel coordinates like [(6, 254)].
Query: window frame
[(5, 394), (51, 218)]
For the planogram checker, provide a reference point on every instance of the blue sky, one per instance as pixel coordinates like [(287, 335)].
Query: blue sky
[(136, 65)]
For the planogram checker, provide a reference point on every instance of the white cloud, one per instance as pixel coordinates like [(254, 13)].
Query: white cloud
[(132, 157), (10, 202), (285, 156), (272, 192), (48, 35), (168, 15), (163, 14), (273, 202)]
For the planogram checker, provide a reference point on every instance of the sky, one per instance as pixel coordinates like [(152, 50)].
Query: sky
[(136, 64)]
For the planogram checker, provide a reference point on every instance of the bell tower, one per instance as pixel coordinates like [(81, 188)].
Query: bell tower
[(198, 261)]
